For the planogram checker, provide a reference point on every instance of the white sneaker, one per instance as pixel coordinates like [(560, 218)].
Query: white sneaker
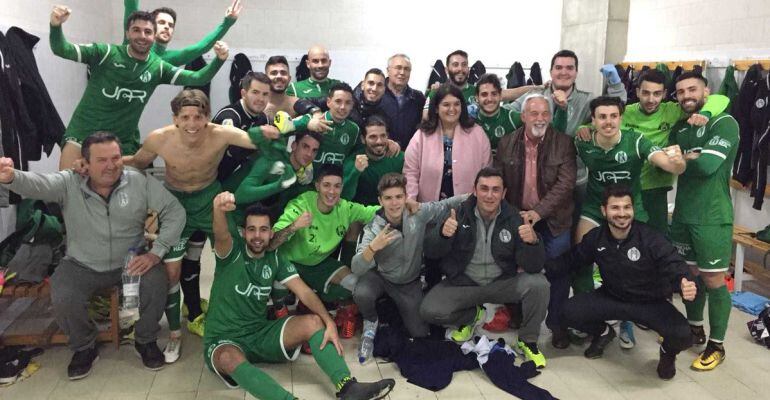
[(173, 349)]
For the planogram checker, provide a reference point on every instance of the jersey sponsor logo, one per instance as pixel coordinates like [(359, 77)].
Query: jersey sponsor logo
[(505, 236), (701, 131), (682, 248), (118, 65), (345, 138), (760, 103), (718, 141), (261, 292), (266, 272), (123, 93), (621, 157), (123, 199), (612, 176), (330, 158), (499, 131), (145, 77), (634, 254)]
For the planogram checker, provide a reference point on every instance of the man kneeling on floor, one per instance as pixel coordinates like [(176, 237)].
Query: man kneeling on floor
[(640, 269), (496, 257), (237, 330), (104, 212)]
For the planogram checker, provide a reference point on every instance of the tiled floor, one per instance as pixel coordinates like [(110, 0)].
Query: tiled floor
[(621, 374)]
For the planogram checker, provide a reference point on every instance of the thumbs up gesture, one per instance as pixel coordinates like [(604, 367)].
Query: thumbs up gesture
[(689, 289), (527, 232), (450, 225)]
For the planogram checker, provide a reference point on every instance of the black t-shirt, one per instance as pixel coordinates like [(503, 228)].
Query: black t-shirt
[(235, 115)]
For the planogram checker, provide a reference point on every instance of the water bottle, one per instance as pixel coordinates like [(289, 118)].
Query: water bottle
[(367, 341), (130, 285)]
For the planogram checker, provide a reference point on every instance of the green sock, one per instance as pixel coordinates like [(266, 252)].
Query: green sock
[(719, 312), (695, 307), (332, 364), (174, 308), (258, 383), (347, 252), (583, 279)]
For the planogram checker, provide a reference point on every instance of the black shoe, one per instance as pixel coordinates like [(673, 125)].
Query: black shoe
[(354, 390), (560, 338), (82, 362), (666, 365), (151, 356), (598, 343), (698, 335)]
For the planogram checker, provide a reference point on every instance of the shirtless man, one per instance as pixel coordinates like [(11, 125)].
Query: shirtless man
[(191, 148)]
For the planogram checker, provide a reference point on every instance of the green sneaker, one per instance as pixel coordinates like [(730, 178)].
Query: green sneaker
[(465, 332), (532, 353), (197, 325)]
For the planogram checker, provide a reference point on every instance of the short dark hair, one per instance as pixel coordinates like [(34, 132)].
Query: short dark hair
[(302, 134), (606, 101), (328, 170), (254, 76), (276, 60), (340, 86), (456, 53), (391, 180), (690, 75), (488, 172), (191, 97), (491, 79), (375, 120), (95, 138), (141, 16), (375, 71), (164, 10), (565, 53), (257, 210), (651, 75), (616, 191)]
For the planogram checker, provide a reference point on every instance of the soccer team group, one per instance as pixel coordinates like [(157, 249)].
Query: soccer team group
[(472, 195)]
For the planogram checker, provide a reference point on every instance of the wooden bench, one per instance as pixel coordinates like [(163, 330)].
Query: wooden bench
[(744, 238), (26, 316)]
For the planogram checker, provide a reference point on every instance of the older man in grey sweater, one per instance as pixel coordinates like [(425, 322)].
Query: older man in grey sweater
[(104, 213), (389, 257)]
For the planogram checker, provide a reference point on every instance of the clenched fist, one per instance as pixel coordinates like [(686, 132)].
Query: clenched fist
[(221, 50), (59, 15), (6, 170), (224, 201)]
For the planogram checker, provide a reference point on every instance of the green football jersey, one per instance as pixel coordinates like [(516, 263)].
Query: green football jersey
[(311, 245), (622, 164), (703, 190), (119, 88), (241, 290), (361, 187), (337, 144), (656, 127), (499, 124), (311, 88), (469, 93)]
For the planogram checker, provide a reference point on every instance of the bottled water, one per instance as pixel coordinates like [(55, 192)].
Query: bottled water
[(367, 341), (130, 285)]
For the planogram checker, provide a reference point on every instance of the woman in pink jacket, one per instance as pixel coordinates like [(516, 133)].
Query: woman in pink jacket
[(448, 150)]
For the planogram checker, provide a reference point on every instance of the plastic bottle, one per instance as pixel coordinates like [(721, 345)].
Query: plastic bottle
[(367, 341), (130, 285)]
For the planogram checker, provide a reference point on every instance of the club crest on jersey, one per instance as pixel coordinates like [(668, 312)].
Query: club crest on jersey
[(505, 236), (145, 77), (718, 141), (760, 103), (499, 131), (266, 272), (664, 126), (701, 131), (634, 254), (621, 157), (123, 199), (344, 138)]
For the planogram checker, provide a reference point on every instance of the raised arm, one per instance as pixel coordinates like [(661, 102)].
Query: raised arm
[(223, 240), (63, 48), (187, 54), (182, 77), (47, 187), (129, 6)]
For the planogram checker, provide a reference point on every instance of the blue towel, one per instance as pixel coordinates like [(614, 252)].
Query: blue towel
[(751, 303)]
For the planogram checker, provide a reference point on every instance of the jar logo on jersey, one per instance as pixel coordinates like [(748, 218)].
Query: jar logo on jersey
[(123, 93), (261, 292), (718, 141)]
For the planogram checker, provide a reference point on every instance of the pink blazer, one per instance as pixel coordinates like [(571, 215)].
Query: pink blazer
[(424, 162)]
